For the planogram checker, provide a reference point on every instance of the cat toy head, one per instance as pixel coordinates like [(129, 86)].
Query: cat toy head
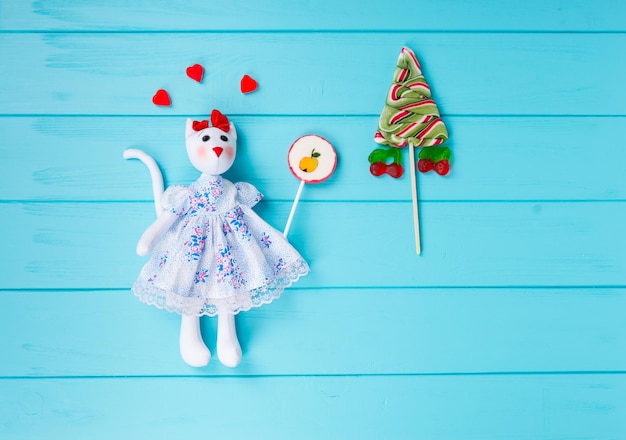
[(211, 147)]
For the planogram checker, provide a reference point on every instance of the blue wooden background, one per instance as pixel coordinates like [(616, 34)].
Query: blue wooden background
[(511, 325)]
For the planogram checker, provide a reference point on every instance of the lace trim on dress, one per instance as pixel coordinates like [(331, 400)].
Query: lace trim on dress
[(240, 302)]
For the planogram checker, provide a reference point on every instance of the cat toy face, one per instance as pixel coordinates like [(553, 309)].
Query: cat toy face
[(211, 149)]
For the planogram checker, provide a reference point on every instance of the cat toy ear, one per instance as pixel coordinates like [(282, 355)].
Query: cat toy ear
[(232, 132), (189, 128)]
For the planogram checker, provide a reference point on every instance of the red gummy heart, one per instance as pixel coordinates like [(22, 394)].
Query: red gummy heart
[(195, 72), (161, 98), (248, 84)]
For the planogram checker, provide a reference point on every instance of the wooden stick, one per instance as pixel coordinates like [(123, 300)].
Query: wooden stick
[(293, 208), (416, 218)]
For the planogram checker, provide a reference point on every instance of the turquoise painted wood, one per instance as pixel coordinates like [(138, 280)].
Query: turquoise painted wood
[(556, 163), (298, 15), (510, 324), (473, 244), (428, 331), (304, 74), (443, 407)]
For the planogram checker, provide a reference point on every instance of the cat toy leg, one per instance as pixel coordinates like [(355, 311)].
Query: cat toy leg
[(192, 347), (228, 348)]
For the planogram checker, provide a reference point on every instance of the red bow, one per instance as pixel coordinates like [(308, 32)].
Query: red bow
[(218, 120), (199, 125)]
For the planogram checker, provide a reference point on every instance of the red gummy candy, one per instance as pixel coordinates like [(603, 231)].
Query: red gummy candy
[(442, 167), (378, 168), (195, 72), (161, 98), (248, 84), (425, 165), (395, 170)]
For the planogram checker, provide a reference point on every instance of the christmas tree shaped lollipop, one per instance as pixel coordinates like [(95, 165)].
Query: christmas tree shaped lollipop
[(410, 118)]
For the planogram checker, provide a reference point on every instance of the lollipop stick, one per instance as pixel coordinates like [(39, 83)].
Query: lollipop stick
[(416, 219), (293, 208)]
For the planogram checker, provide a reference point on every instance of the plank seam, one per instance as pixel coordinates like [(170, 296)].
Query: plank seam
[(311, 115), (25, 290), (282, 376), (313, 31)]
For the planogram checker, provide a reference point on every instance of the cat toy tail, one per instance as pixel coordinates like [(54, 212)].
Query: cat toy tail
[(155, 174)]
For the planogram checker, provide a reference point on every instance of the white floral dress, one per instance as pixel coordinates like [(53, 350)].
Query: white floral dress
[(219, 256)]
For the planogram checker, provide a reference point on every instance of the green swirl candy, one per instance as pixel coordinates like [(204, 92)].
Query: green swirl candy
[(410, 115)]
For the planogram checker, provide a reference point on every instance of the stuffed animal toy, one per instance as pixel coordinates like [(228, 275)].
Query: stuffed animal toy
[(211, 254)]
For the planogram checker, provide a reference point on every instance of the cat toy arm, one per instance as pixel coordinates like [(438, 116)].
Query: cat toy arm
[(154, 232)]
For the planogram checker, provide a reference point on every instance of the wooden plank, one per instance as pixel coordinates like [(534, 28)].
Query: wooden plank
[(310, 74), (365, 331), (510, 326), (403, 407), (355, 15), (92, 245), (522, 158)]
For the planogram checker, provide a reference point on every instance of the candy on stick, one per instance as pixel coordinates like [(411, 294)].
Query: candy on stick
[(410, 118), (410, 115), (312, 159)]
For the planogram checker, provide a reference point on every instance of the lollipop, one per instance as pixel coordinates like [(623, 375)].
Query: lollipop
[(410, 117), (312, 159)]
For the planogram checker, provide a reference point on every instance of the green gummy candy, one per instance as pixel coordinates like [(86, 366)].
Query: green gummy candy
[(386, 154), (435, 153)]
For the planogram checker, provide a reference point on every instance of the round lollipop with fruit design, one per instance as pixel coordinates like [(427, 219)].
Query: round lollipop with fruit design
[(312, 159)]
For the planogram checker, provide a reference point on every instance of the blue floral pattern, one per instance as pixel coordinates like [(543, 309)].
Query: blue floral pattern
[(228, 272), (235, 223), (265, 240), (195, 243), (163, 259), (205, 198), (219, 256)]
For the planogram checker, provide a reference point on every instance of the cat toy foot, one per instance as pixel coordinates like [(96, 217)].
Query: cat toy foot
[(228, 348), (192, 348)]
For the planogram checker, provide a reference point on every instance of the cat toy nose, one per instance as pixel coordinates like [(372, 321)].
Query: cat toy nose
[(218, 151)]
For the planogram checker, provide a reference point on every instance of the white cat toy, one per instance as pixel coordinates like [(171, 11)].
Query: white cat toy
[(211, 253)]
